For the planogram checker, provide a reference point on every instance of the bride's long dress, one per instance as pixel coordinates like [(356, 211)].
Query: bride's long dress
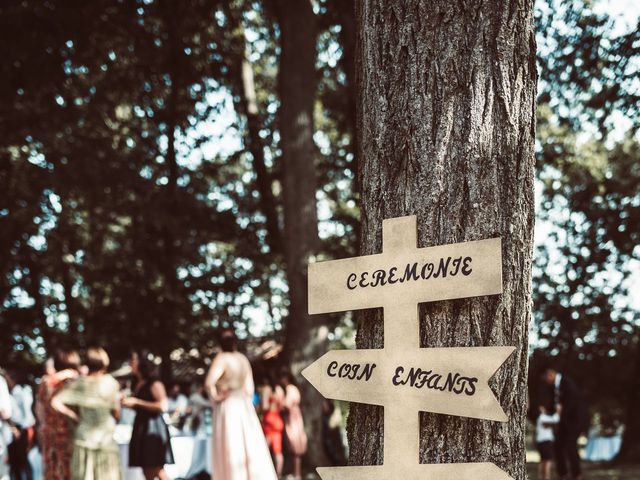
[(239, 448)]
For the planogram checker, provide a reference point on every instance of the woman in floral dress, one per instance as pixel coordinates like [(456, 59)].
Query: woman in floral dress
[(92, 404), (55, 432)]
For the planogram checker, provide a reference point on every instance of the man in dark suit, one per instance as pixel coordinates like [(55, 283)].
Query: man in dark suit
[(573, 422)]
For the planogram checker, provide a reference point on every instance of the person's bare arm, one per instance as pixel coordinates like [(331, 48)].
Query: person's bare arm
[(265, 397), (62, 409), (117, 411), (5, 400), (279, 395), (249, 387), (291, 396), (158, 405), (215, 373), (198, 402)]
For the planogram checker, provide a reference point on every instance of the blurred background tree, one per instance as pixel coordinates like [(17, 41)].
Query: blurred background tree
[(586, 320)]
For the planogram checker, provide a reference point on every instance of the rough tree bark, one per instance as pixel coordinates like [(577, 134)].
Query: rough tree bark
[(305, 337), (447, 124)]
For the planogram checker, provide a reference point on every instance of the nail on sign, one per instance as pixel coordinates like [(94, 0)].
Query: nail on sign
[(403, 377)]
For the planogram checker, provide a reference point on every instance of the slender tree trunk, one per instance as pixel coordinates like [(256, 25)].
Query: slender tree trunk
[(348, 34), (66, 238), (347, 19), (69, 301), (172, 12), (446, 116), (39, 307), (630, 451), (305, 338), (256, 147), (247, 105)]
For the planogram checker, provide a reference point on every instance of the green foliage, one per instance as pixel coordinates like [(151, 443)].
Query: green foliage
[(109, 238), (588, 64), (589, 178), (131, 215)]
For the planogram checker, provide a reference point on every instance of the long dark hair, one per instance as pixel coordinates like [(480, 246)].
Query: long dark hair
[(65, 359), (146, 366), (285, 373), (228, 340)]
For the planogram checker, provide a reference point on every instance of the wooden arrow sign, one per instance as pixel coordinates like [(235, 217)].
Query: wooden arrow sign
[(406, 273), (452, 381), (442, 471), (403, 377)]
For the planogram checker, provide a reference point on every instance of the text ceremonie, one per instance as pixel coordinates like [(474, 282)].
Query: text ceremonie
[(451, 266)]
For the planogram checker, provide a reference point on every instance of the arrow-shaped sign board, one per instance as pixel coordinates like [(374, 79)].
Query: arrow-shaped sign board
[(408, 274), (403, 377), (452, 381), (442, 471)]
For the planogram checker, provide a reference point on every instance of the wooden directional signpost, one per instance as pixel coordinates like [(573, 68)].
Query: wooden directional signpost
[(403, 377)]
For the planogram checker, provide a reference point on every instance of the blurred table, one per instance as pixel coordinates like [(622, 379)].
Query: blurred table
[(201, 456), (602, 449)]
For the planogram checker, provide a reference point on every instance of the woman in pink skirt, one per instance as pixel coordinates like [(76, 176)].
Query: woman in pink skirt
[(293, 422), (239, 448)]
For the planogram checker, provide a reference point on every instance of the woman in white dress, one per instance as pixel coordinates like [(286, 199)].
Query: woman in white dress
[(239, 448)]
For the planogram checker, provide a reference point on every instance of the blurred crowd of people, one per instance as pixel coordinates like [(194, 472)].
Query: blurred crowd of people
[(17, 425), (68, 432), (254, 420)]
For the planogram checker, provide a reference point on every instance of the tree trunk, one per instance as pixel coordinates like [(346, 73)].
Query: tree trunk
[(446, 116), (305, 338), (72, 314), (256, 148), (39, 307), (67, 249), (247, 105), (630, 451), (172, 16), (347, 19)]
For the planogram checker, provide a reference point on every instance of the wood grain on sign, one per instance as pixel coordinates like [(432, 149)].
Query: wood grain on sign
[(442, 471), (403, 377), (419, 275)]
